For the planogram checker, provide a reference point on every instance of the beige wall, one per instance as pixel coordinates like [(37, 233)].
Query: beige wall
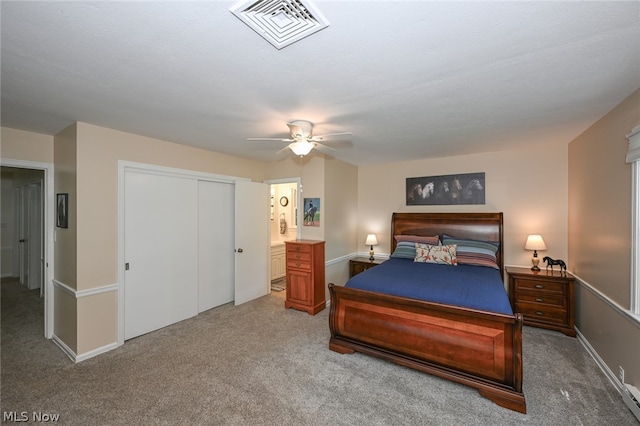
[(65, 181), (529, 186), (340, 213), (65, 318), (600, 237), (26, 146), (341, 206), (92, 331)]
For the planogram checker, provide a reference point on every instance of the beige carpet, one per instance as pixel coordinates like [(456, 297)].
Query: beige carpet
[(259, 364)]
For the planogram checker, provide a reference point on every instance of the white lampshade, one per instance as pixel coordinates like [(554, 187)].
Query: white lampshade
[(535, 242), (371, 240), (301, 148)]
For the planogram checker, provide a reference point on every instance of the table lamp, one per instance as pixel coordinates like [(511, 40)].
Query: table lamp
[(535, 243), (371, 241)]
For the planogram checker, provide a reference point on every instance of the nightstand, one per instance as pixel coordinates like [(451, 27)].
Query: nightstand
[(359, 264), (545, 298)]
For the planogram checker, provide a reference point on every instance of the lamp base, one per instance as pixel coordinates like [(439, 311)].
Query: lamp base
[(371, 255), (535, 262)]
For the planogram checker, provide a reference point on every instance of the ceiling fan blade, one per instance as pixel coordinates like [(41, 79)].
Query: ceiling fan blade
[(286, 148), (330, 135), (321, 146), (270, 139)]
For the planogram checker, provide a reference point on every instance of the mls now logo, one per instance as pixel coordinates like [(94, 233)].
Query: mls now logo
[(23, 416)]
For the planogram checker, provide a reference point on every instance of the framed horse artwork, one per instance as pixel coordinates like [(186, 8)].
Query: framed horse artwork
[(468, 188), (311, 216)]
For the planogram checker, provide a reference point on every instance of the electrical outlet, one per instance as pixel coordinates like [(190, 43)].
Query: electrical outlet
[(621, 374)]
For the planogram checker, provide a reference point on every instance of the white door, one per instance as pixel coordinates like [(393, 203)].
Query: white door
[(16, 266), (34, 237), (161, 252), (252, 241), (23, 253), (215, 244)]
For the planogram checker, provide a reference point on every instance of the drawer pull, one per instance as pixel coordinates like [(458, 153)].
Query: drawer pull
[(539, 300), (298, 264), (539, 313), (297, 248), (539, 286)]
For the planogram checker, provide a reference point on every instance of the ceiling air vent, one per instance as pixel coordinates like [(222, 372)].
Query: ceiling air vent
[(281, 22)]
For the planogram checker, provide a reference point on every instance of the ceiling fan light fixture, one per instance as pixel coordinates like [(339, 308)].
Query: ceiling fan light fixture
[(301, 148)]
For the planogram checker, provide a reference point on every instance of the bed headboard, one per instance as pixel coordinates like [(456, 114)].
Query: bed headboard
[(475, 226)]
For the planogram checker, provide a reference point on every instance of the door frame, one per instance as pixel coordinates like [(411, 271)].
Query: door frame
[(48, 233), (123, 167)]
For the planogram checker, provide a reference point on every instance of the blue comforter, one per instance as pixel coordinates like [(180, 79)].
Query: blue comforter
[(469, 286)]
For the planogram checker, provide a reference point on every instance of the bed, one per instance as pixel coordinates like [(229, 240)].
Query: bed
[(478, 346)]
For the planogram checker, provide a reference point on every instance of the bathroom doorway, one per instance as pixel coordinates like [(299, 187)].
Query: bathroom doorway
[(284, 219)]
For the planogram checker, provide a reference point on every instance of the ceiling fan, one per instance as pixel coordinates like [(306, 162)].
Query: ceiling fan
[(301, 140)]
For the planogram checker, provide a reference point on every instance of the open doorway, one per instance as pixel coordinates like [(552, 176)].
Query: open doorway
[(284, 224), (22, 221), (27, 244)]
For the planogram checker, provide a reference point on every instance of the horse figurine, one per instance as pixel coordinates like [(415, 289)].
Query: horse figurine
[(551, 262)]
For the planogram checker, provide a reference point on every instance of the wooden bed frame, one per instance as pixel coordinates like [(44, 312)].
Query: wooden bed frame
[(476, 348)]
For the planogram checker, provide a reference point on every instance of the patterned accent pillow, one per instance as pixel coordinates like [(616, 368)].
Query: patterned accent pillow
[(474, 252), (405, 250), (476, 256), (428, 253), (488, 245), (434, 240)]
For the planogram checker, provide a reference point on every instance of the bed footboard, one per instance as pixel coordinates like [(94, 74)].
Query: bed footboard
[(478, 349)]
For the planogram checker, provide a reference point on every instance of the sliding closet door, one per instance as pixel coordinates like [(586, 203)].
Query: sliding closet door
[(161, 253), (215, 244)]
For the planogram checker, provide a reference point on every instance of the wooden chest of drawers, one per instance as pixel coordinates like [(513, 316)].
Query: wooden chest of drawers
[(545, 298), (305, 276)]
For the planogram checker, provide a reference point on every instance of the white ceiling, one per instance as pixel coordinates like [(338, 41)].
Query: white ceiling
[(410, 79)]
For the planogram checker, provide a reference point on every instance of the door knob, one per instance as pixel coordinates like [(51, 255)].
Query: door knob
[(240, 250)]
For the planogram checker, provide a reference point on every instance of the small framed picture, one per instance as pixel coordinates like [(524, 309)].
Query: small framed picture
[(62, 216), (311, 212)]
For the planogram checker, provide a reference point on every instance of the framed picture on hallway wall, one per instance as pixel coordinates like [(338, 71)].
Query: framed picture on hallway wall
[(62, 216), (311, 212)]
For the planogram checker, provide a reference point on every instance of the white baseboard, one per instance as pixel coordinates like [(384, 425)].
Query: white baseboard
[(631, 397), (85, 356), (95, 352), (63, 346)]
